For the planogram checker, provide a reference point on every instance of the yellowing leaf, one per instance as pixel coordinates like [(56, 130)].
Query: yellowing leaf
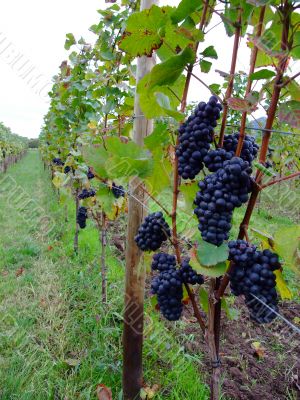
[(282, 287), (60, 180)]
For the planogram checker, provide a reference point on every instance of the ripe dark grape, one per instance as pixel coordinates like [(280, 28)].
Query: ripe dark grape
[(168, 286), (215, 159), (188, 275), (90, 174), (118, 191), (153, 232), (85, 194), (220, 193), (253, 276), (58, 161), (195, 136), (249, 149), (67, 169), (82, 217), (163, 262)]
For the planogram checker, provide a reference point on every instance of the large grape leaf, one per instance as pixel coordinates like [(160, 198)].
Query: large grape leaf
[(144, 31), (127, 159), (160, 137), (161, 172), (169, 71), (290, 113), (96, 157), (156, 104)]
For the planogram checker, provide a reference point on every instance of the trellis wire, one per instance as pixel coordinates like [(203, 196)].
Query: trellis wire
[(229, 125), (294, 327)]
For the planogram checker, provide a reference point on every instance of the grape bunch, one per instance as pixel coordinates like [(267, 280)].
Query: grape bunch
[(58, 162), (82, 217), (195, 136), (90, 174), (67, 169), (118, 191), (253, 276), (153, 232), (168, 287), (249, 149), (85, 194), (188, 275), (220, 193), (215, 159), (168, 283)]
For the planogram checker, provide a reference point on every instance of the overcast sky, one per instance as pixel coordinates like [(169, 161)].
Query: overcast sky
[(32, 38)]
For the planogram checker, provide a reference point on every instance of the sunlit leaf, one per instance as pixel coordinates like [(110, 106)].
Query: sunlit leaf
[(143, 31)]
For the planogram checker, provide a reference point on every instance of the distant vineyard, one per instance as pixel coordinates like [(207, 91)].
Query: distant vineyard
[(12, 146)]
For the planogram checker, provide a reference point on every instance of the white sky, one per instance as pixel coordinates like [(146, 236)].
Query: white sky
[(35, 31)]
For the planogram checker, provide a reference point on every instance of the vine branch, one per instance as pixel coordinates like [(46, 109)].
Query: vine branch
[(229, 90)]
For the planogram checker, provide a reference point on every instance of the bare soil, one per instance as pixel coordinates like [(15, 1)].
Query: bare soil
[(259, 362)]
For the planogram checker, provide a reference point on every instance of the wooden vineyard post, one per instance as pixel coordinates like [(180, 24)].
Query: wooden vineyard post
[(76, 226), (135, 274)]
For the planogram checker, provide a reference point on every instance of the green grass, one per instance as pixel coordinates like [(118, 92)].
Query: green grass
[(57, 340)]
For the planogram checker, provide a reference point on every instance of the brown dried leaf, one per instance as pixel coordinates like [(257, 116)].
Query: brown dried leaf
[(259, 351), (20, 272), (103, 392)]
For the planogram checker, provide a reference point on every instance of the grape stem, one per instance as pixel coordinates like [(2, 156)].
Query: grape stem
[(238, 27), (249, 82), (155, 200), (285, 178)]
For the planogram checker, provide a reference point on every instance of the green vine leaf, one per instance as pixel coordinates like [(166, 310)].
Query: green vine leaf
[(262, 168), (210, 52), (184, 9), (258, 3), (262, 74), (290, 113), (96, 157), (169, 71), (144, 31), (208, 254), (70, 41), (205, 66), (214, 271)]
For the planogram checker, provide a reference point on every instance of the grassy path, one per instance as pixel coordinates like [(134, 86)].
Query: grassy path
[(57, 341)]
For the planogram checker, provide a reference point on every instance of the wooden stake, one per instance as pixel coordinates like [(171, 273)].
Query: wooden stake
[(135, 274)]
